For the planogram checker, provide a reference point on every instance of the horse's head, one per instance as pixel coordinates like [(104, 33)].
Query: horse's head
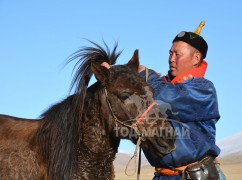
[(130, 109)]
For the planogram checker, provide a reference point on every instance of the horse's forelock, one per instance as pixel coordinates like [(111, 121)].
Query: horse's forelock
[(85, 56)]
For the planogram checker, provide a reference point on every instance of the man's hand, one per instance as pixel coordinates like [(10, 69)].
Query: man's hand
[(141, 68), (106, 65)]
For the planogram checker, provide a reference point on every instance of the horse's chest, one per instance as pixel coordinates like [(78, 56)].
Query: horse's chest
[(95, 166)]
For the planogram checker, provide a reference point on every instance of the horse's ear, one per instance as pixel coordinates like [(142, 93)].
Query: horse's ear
[(134, 61), (101, 73)]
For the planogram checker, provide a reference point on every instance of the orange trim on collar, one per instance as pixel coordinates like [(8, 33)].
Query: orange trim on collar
[(164, 78), (196, 72)]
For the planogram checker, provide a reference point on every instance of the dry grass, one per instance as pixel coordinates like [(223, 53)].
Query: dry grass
[(146, 173), (231, 166), (232, 172)]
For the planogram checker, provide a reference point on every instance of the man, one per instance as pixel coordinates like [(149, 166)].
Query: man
[(194, 107), (193, 110)]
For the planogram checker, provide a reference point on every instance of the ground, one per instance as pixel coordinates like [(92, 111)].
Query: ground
[(231, 166)]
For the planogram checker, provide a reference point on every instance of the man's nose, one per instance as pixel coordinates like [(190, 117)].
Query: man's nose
[(172, 58)]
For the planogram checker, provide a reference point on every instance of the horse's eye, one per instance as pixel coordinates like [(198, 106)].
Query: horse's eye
[(124, 96)]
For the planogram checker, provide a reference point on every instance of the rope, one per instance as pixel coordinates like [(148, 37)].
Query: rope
[(145, 113), (114, 116), (139, 164), (134, 158), (146, 74), (139, 140)]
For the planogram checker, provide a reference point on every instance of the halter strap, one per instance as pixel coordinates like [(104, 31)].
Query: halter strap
[(145, 113), (114, 116), (137, 122)]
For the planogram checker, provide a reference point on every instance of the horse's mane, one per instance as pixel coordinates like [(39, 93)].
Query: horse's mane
[(59, 132)]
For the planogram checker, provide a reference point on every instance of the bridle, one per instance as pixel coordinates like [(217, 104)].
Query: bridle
[(134, 126)]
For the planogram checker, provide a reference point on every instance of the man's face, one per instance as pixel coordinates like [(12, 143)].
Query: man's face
[(181, 58)]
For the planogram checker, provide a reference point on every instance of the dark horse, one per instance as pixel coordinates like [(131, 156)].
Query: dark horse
[(79, 137)]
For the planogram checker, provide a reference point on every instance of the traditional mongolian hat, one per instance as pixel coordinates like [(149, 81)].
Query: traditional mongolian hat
[(194, 39)]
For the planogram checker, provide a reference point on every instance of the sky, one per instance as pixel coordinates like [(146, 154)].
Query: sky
[(37, 37)]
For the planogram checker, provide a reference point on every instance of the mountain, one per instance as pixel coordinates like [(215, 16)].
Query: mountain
[(231, 148), (230, 160)]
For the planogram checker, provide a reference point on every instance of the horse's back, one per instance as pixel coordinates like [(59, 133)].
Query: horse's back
[(18, 149), (17, 128)]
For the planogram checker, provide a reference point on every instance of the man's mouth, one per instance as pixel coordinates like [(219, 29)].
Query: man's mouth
[(172, 68)]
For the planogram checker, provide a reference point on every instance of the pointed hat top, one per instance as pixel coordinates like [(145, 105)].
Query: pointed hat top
[(199, 28)]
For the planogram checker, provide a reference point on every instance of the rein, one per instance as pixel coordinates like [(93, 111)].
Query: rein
[(135, 128)]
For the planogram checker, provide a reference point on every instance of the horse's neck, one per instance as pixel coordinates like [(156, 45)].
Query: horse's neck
[(97, 146), (97, 130)]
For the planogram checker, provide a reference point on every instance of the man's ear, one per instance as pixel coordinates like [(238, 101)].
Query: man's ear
[(196, 58), (134, 61), (101, 73)]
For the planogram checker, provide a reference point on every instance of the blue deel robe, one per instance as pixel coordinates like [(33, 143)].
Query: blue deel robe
[(192, 109)]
